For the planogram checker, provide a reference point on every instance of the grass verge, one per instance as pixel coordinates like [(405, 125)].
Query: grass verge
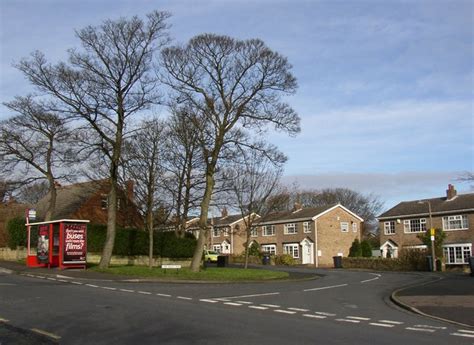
[(209, 274)]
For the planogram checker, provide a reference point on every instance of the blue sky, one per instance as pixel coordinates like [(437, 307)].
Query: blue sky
[(385, 87)]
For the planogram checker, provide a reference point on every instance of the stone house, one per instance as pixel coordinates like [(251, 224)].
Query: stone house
[(453, 213), (312, 236)]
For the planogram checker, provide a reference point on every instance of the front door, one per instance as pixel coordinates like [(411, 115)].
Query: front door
[(307, 252)]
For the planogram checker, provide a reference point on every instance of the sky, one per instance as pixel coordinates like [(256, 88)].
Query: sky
[(385, 87)]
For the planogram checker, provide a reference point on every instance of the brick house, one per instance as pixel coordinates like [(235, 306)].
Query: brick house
[(454, 214), (312, 236), (88, 200)]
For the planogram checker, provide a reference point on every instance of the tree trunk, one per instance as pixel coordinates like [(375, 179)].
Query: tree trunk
[(149, 223), (52, 200), (111, 225)]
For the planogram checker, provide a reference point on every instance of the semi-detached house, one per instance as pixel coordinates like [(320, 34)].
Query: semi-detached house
[(312, 236)]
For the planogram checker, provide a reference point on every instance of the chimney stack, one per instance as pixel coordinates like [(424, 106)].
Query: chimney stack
[(450, 192), (224, 212), (297, 207)]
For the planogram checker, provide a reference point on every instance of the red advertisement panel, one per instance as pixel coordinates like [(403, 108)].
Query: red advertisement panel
[(75, 243), (43, 244)]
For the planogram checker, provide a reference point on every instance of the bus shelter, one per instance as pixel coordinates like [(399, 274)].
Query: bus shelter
[(58, 243)]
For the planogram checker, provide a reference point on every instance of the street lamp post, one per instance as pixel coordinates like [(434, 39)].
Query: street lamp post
[(432, 234)]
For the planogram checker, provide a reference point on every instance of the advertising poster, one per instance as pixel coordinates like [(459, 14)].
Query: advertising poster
[(75, 243), (43, 244)]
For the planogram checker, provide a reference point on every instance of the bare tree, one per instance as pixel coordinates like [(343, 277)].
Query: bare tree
[(467, 176), (253, 181), (33, 147), (232, 87), (33, 193), (104, 86), (143, 164)]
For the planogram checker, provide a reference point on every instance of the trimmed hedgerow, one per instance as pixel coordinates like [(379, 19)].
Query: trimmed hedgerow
[(17, 235), (131, 242), (408, 260)]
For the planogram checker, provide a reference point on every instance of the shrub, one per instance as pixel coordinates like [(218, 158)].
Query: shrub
[(17, 236), (254, 249), (408, 260), (440, 236), (285, 259), (366, 249), (356, 249)]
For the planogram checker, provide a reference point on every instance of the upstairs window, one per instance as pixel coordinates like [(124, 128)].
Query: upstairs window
[(414, 225), (306, 227), (268, 230), (344, 227), (253, 232), (215, 232), (103, 201), (389, 228), (290, 229), (354, 227), (455, 222)]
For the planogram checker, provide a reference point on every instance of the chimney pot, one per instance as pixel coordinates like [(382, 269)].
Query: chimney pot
[(450, 192), (224, 212)]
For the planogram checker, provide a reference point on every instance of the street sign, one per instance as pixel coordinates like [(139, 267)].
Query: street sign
[(31, 214), (432, 231)]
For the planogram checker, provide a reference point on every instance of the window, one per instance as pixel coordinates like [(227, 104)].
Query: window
[(306, 227), (414, 225), (268, 230), (269, 248), (103, 201), (216, 248), (290, 229), (253, 232), (457, 253), (292, 249), (215, 232), (455, 223), (389, 228), (225, 232), (354, 227), (344, 227)]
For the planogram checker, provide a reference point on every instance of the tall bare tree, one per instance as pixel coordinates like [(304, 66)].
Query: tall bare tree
[(104, 85), (143, 154), (231, 87), (253, 180), (33, 147)]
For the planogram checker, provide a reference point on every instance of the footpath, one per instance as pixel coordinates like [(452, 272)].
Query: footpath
[(450, 298)]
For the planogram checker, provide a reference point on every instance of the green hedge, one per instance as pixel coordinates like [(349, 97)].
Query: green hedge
[(131, 242), (16, 230), (408, 260)]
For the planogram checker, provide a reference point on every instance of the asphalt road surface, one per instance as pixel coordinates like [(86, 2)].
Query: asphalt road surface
[(341, 307)]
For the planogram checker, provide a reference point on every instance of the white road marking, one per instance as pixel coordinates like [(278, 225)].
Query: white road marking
[(208, 300), (420, 329), (465, 331), (323, 313), (246, 296), (48, 334), (369, 280), (222, 299), (78, 283), (185, 298), (244, 302), (315, 316), (284, 311), (257, 307), (270, 305), (63, 281), (7, 284), (391, 322), (92, 285), (163, 295), (428, 326), (462, 335), (3, 320), (299, 309), (30, 275), (358, 318), (126, 290), (108, 288), (144, 292), (52, 279), (40, 277), (348, 320), (326, 287), (380, 324), (233, 304)]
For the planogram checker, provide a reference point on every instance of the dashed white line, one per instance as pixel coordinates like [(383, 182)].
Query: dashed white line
[(63, 281), (246, 296), (323, 313), (52, 279), (358, 318), (108, 288), (428, 330), (77, 283), (233, 304), (208, 300), (144, 292), (315, 316), (428, 326), (270, 305), (465, 331), (462, 335), (369, 280), (284, 311), (299, 309), (391, 322), (185, 298), (163, 295), (348, 320), (326, 287), (92, 285), (381, 324), (126, 290), (257, 307), (244, 302)]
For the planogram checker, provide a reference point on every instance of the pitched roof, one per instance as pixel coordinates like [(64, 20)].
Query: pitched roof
[(225, 221), (69, 199), (302, 214), (461, 202)]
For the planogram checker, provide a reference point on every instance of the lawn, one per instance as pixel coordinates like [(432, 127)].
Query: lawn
[(209, 274)]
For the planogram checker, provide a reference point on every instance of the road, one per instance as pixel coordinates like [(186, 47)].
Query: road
[(341, 307)]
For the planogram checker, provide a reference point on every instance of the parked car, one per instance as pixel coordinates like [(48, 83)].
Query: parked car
[(210, 255)]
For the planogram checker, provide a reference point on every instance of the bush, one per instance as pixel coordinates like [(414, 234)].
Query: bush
[(285, 259), (408, 260), (356, 249), (366, 249), (131, 242), (17, 235)]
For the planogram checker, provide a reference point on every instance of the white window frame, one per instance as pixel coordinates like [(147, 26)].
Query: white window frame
[(457, 254), (407, 225), (306, 227), (254, 231), (292, 249), (268, 248), (448, 220), (217, 248), (104, 201), (344, 226), (389, 228), (289, 226), (215, 232), (354, 227), (268, 230), (225, 232)]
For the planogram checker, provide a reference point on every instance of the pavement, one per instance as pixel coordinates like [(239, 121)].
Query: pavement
[(444, 296)]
